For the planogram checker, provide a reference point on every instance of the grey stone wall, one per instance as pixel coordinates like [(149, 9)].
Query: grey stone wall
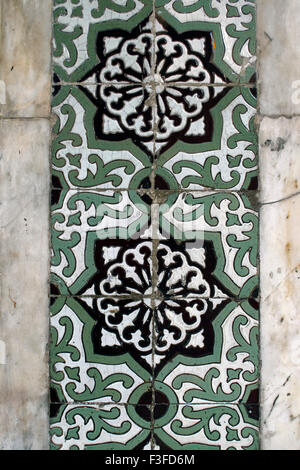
[(25, 57), (279, 135)]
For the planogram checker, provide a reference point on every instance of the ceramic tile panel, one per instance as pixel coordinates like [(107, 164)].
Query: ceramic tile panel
[(154, 220), (178, 427), (205, 243)]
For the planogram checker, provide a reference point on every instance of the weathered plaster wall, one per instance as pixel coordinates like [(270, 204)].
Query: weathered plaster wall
[(279, 75), (24, 182), (25, 56)]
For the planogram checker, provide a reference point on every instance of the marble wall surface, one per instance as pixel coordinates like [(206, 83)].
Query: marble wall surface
[(279, 135), (25, 37), (24, 186)]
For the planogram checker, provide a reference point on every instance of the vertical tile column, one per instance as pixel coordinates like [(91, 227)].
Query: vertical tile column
[(154, 311), (206, 306), (25, 35)]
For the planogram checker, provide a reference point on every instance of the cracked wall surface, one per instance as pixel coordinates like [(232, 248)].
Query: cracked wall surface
[(25, 34), (25, 58), (279, 136)]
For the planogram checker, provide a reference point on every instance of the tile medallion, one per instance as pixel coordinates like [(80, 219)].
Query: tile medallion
[(154, 226)]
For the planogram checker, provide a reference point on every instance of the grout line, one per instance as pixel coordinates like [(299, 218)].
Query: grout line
[(160, 297), (143, 85), (155, 227), (149, 191), (109, 403)]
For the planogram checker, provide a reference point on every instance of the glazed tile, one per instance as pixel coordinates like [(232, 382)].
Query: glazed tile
[(94, 137), (207, 427), (101, 350), (88, 35), (184, 115), (214, 146), (94, 427), (210, 245), (91, 234)]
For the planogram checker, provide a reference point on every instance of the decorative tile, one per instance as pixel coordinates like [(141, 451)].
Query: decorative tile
[(183, 115), (206, 427), (82, 224), (154, 222), (100, 350), (216, 149), (214, 252), (207, 350), (94, 427), (228, 25), (85, 34), (95, 134), (183, 54)]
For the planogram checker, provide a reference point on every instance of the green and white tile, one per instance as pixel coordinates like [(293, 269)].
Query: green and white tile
[(154, 222)]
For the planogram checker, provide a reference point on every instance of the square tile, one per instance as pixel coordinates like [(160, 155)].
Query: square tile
[(92, 231), (183, 54), (101, 350), (184, 115), (229, 29), (206, 351), (89, 35), (101, 139), (206, 427), (214, 145), (94, 427), (209, 244)]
